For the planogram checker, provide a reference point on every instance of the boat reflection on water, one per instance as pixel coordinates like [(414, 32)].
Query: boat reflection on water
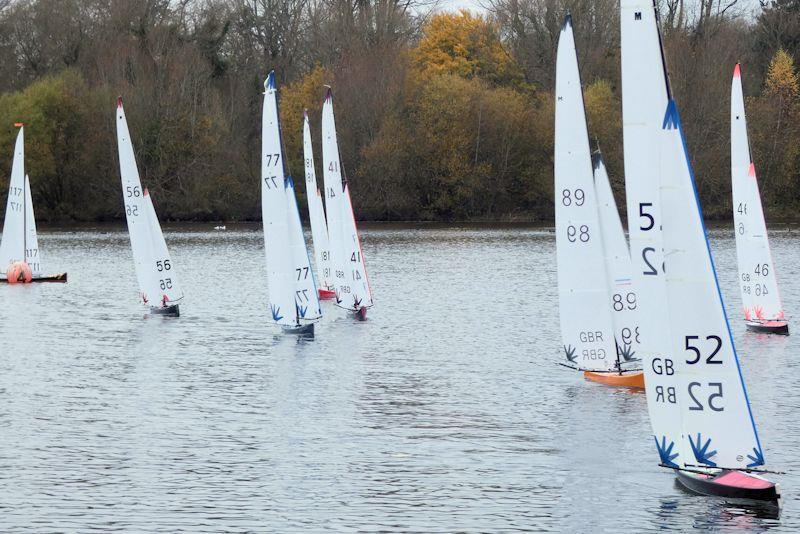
[(715, 514)]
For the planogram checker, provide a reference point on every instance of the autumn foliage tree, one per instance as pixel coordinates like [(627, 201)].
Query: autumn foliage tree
[(440, 115)]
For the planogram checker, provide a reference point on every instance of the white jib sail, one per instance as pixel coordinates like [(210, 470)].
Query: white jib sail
[(165, 289), (32, 255), (350, 273), (624, 303), (136, 214), (644, 99), (316, 212), (306, 296), (760, 296), (275, 213), (717, 426), (12, 247), (584, 301)]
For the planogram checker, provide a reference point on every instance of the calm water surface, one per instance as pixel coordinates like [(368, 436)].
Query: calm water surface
[(443, 412)]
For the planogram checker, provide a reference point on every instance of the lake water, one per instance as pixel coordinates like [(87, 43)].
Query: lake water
[(443, 412)]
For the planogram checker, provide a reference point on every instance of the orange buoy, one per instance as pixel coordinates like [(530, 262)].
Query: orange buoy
[(19, 272)]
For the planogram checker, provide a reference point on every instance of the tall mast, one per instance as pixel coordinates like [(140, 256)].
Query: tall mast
[(25, 220)]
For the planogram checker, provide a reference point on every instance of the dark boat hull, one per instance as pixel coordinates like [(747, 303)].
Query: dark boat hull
[(167, 311), (730, 484), (300, 330), (360, 314), (769, 327), (52, 278)]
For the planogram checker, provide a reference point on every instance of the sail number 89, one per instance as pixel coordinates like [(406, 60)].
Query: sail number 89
[(577, 196)]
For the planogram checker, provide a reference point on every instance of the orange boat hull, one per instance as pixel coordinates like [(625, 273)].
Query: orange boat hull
[(625, 380)]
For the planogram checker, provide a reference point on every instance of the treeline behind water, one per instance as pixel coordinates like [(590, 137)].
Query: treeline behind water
[(441, 116)]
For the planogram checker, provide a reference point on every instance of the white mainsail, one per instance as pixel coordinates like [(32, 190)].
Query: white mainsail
[(350, 273), (33, 256), (695, 391), (584, 301), (154, 267), (316, 212), (292, 293), (644, 99), (12, 246), (624, 304), (759, 286)]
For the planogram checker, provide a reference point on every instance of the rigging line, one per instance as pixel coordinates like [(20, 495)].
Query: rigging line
[(24, 220), (702, 472)]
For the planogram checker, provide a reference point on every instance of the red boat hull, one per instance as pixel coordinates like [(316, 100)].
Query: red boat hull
[(731, 484), (325, 294)]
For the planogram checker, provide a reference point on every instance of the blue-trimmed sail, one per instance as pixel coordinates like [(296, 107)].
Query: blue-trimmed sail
[(696, 395), (716, 419), (293, 297)]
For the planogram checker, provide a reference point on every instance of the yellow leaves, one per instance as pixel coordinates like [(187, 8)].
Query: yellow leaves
[(465, 45), (605, 125), (781, 76), (294, 98)]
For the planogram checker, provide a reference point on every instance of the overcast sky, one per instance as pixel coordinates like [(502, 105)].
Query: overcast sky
[(751, 6)]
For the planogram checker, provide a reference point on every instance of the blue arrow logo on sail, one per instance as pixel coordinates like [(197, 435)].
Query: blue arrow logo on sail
[(301, 310), (356, 302), (757, 460), (276, 310), (672, 120), (665, 453), (625, 351), (701, 454)]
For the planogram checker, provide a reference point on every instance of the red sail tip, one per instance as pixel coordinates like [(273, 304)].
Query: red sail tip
[(737, 71), (119, 101), (328, 92), (146, 192), (18, 125), (751, 172)]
